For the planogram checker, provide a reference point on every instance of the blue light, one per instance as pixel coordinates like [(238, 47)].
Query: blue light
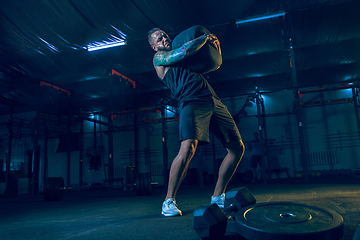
[(113, 41), (50, 46), (346, 78), (170, 111), (256, 75), (103, 45), (260, 18)]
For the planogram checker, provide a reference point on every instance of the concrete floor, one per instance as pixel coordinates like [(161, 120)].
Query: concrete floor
[(114, 214)]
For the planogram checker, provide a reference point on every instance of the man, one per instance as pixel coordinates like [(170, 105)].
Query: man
[(256, 148), (198, 106)]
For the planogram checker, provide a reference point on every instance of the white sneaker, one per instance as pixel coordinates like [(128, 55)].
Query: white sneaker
[(219, 200), (169, 208)]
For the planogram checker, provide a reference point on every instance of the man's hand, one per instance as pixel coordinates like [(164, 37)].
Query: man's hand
[(214, 41), (163, 59)]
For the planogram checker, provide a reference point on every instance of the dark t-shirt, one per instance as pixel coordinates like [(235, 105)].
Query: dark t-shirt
[(186, 85), (255, 146)]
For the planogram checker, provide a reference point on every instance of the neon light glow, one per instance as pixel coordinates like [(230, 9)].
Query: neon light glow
[(349, 77), (102, 45), (116, 39), (50, 46), (260, 18), (170, 111)]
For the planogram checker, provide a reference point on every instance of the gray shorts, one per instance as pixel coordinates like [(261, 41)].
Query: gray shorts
[(197, 118)]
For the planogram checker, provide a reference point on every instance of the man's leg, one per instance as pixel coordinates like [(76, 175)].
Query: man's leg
[(178, 171), (254, 174), (228, 166), (179, 166)]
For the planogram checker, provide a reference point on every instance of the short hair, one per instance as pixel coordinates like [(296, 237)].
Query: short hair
[(256, 133), (151, 32)]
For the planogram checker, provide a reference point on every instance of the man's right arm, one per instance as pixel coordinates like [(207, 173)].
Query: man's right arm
[(166, 58)]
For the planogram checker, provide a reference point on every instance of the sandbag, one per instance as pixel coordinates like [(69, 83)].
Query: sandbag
[(207, 59)]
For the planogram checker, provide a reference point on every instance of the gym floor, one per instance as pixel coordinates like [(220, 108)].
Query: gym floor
[(115, 214)]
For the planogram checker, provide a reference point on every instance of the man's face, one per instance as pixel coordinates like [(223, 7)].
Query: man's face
[(160, 41)]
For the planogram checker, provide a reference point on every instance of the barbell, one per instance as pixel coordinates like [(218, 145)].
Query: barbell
[(54, 188)]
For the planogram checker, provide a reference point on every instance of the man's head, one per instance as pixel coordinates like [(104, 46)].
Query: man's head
[(159, 40), (256, 135)]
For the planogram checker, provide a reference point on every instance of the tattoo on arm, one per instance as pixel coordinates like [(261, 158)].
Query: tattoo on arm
[(166, 58)]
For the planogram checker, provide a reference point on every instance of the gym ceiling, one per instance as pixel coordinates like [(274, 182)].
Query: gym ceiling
[(46, 66)]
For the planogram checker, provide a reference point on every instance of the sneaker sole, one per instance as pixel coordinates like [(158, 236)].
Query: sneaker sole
[(171, 214), (220, 206)]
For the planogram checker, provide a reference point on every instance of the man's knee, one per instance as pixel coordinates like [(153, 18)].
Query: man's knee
[(236, 147), (188, 147)]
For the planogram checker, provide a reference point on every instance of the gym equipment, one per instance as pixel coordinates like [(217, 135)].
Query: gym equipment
[(143, 184), (210, 222), (288, 220), (54, 189), (236, 199), (207, 59), (148, 184)]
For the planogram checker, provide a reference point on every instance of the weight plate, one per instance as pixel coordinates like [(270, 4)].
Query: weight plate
[(54, 189), (143, 184), (140, 184), (139, 190), (287, 217), (147, 181), (288, 220), (47, 194), (58, 188)]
